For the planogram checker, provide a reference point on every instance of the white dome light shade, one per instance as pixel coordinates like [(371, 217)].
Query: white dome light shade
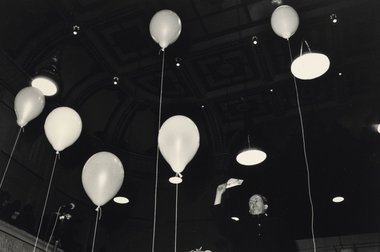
[(338, 199), (121, 200), (175, 180), (46, 85), (310, 66), (251, 157)]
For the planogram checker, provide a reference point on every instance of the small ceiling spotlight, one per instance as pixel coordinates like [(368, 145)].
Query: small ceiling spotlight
[(255, 40), (334, 18), (76, 29), (340, 73), (178, 61), (271, 90), (202, 106), (276, 2), (115, 80)]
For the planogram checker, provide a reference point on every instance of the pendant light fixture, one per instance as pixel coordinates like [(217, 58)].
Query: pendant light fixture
[(251, 156), (309, 65), (46, 79)]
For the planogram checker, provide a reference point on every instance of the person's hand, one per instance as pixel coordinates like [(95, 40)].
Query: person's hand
[(221, 188), (219, 192)]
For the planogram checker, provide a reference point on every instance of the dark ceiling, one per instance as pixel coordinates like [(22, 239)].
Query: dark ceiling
[(229, 87)]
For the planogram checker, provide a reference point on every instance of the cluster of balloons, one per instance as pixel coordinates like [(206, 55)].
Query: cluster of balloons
[(103, 173), (178, 138), (62, 126)]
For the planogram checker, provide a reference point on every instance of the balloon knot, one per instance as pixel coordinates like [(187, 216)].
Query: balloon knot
[(99, 210)]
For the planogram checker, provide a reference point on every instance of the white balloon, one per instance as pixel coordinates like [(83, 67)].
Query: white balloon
[(284, 21), (62, 127), (178, 141), (165, 27), (102, 177), (29, 103)]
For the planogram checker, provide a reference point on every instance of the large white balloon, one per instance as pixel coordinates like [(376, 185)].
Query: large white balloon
[(165, 27), (284, 21), (29, 103), (62, 127), (102, 177), (178, 141)]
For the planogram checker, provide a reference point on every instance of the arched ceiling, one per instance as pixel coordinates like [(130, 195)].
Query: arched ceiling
[(226, 85)]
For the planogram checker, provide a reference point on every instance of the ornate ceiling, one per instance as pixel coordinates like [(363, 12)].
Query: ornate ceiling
[(229, 87)]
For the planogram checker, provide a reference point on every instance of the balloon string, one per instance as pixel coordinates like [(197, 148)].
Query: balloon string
[(98, 215), (10, 158), (46, 199), (53, 229), (100, 212), (304, 152), (176, 218), (157, 154)]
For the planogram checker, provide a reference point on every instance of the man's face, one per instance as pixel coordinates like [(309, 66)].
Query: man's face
[(256, 205)]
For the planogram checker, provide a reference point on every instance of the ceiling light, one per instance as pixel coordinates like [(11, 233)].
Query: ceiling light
[(76, 29), (121, 200), (338, 199), (276, 2), (115, 80), (178, 62), (45, 84), (235, 218), (46, 79), (251, 156), (310, 65), (175, 180), (378, 128), (334, 18), (255, 40), (340, 73)]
